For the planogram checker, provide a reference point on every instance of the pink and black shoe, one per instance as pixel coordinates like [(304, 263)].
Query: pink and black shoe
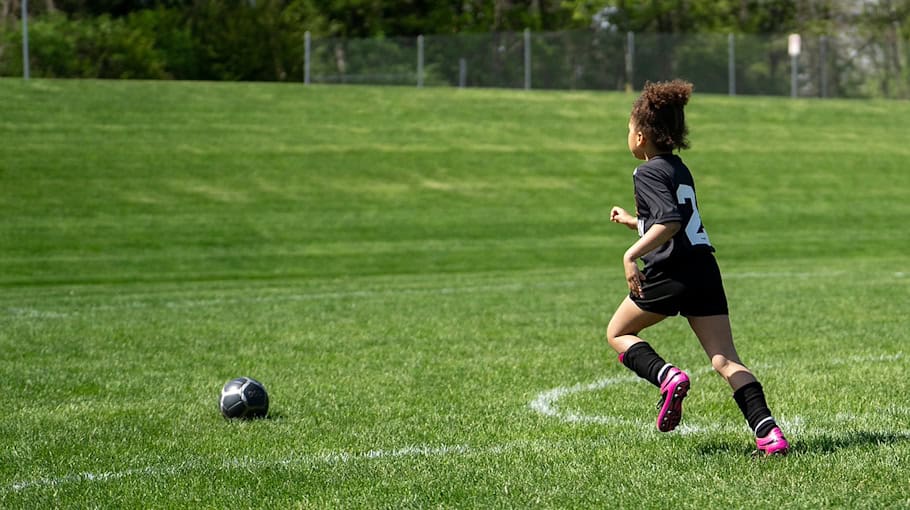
[(773, 444), (673, 390)]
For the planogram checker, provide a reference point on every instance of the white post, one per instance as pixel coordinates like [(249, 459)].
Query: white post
[(527, 59), (793, 48), (25, 68), (306, 58), (731, 64), (419, 61)]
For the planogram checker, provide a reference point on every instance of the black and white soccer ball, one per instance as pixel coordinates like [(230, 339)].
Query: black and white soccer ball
[(245, 398)]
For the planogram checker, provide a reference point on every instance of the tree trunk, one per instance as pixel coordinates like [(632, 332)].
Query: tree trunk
[(7, 10)]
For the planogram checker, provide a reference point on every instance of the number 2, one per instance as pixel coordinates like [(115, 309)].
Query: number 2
[(694, 229)]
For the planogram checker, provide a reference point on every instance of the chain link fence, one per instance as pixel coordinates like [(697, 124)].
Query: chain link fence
[(827, 66), (851, 64)]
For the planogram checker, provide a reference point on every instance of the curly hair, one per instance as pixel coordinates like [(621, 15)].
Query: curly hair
[(658, 114)]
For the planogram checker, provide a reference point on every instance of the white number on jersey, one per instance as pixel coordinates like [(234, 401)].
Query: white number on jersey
[(694, 229)]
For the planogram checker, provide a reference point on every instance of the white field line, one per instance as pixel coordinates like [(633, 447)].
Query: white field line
[(867, 358), (150, 471), (292, 297), (795, 425), (547, 402), (802, 275), (330, 458), (27, 312), (33, 313)]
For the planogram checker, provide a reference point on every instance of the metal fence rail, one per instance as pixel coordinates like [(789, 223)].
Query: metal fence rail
[(826, 66)]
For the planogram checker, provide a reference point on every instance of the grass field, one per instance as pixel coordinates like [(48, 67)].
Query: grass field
[(422, 278)]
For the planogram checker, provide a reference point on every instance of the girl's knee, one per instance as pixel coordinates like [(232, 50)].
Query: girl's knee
[(611, 338), (728, 367), (720, 363), (614, 333)]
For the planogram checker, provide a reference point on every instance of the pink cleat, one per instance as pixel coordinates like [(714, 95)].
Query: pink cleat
[(773, 444), (672, 392)]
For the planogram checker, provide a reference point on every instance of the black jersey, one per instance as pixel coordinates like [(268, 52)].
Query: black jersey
[(665, 193)]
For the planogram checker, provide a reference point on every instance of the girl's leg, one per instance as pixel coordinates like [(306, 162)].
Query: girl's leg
[(716, 338), (638, 356), (635, 353), (627, 322)]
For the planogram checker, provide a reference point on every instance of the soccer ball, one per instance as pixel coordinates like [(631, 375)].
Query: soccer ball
[(245, 398)]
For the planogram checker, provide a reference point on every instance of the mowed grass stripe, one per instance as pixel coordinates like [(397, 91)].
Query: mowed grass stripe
[(94, 299)]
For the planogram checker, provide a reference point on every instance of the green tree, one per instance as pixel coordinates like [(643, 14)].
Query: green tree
[(674, 16)]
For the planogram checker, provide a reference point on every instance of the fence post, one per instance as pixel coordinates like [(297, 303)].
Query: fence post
[(899, 60), (630, 61), (823, 62), (462, 72), (420, 61), (527, 59), (25, 67), (794, 75), (306, 58), (731, 65)]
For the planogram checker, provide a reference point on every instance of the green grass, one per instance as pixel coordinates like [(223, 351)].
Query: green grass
[(422, 278)]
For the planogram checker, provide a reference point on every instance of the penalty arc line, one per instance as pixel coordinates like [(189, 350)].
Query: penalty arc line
[(547, 402)]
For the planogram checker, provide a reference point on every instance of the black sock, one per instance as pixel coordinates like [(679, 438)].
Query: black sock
[(641, 359), (751, 401)]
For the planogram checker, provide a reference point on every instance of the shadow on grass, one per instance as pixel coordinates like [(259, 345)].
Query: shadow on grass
[(824, 443), (828, 443), (275, 416), (271, 416)]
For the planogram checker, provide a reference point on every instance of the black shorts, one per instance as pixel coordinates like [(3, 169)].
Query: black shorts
[(691, 287)]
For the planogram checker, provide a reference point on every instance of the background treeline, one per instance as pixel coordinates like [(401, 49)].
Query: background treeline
[(263, 39)]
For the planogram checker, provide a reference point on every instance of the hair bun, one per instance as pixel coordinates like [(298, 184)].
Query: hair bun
[(667, 93)]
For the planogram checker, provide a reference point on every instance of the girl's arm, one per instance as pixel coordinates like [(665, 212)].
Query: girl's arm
[(657, 235), (619, 215)]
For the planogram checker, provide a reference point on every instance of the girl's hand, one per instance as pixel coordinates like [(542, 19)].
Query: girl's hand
[(621, 216), (634, 276)]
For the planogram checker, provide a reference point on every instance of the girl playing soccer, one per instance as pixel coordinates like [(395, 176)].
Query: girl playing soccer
[(680, 274)]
